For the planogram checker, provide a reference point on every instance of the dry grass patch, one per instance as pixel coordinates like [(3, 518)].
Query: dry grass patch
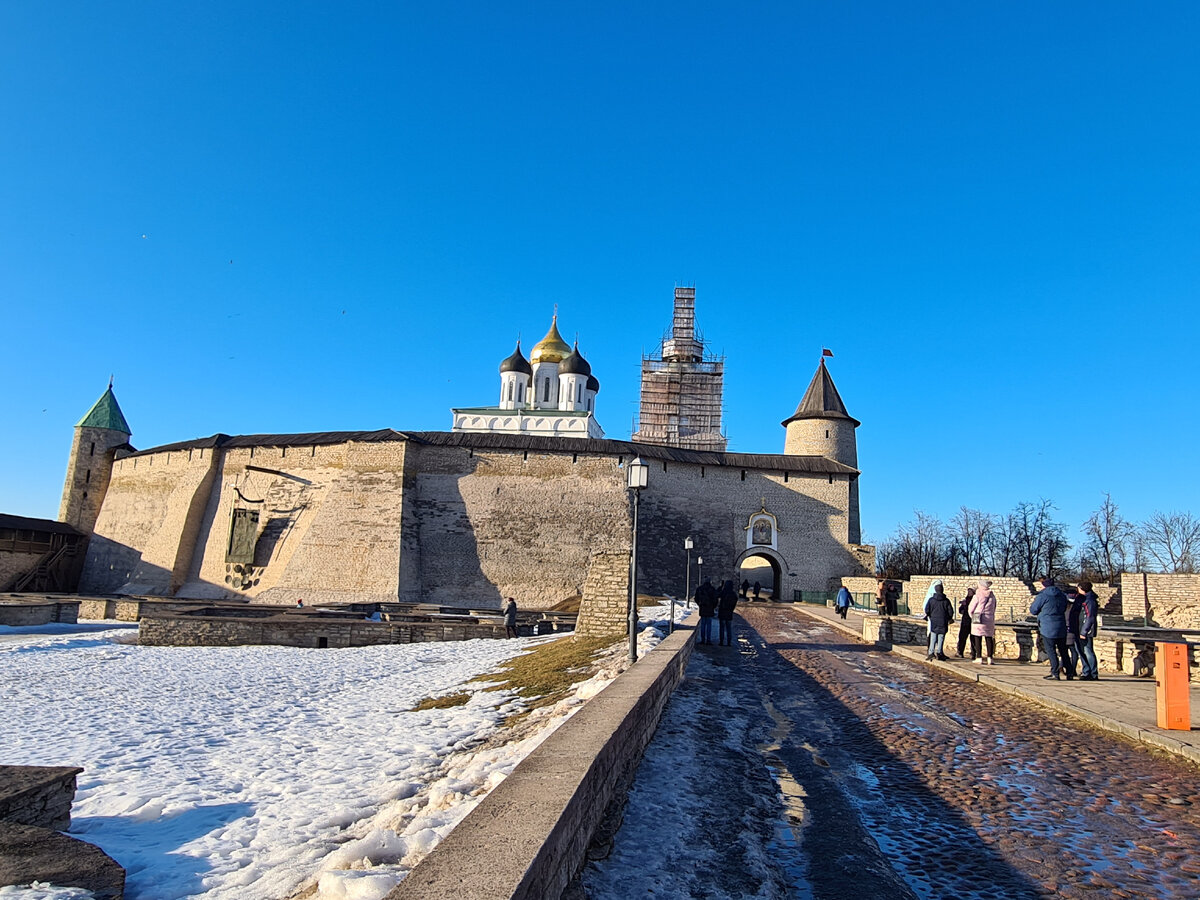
[(446, 702)]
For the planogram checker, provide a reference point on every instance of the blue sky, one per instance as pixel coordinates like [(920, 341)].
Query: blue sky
[(301, 216)]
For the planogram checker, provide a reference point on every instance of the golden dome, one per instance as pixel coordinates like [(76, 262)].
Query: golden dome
[(550, 349)]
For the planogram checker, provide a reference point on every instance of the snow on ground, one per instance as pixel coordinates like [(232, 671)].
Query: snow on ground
[(246, 772)]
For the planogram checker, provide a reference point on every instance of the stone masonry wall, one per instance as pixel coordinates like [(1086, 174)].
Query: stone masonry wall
[(1173, 600), (199, 631), (40, 796), (500, 523), (1013, 595), (452, 525), (605, 606)]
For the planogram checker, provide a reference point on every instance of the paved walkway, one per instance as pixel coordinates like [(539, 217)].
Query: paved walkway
[(1117, 702)]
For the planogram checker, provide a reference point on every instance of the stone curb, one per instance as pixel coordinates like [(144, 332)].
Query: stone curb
[(529, 836), (1150, 738)]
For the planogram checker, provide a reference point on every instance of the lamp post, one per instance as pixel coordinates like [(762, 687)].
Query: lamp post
[(638, 474), (687, 583), (700, 569)]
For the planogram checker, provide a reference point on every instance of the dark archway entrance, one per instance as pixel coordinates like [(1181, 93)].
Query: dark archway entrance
[(763, 567)]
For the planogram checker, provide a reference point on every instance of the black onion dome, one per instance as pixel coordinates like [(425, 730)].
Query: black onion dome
[(516, 363), (574, 364), (593, 385)]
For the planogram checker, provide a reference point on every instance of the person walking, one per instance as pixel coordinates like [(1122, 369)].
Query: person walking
[(726, 602), (745, 587), (757, 588), (1088, 618), (843, 602), (706, 602), (964, 623), (940, 614), (982, 611), (510, 617), (1050, 607)]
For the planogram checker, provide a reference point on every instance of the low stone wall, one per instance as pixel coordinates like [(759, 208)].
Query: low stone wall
[(529, 836), (40, 796), (1173, 600), (29, 854), (316, 631), (1013, 596), (1017, 642), (35, 805), (38, 612)]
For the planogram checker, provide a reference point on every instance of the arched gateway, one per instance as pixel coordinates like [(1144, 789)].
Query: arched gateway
[(774, 563)]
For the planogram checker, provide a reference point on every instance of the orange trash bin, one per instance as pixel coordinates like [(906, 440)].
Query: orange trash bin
[(1171, 680)]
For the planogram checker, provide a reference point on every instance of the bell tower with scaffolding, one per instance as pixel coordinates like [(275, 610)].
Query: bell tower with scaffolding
[(682, 387)]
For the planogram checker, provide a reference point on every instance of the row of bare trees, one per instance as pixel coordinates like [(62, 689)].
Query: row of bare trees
[(1028, 542)]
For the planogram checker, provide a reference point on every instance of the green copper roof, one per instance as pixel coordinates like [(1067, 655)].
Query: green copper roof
[(105, 414)]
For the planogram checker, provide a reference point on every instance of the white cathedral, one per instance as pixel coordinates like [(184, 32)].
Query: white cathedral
[(552, 394)]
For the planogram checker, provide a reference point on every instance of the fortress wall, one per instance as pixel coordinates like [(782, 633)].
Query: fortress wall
[(138, 540), (714, 504), (329, 525), (496, 523)]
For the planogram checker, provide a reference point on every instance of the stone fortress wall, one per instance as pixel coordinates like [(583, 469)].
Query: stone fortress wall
[(458, 520)]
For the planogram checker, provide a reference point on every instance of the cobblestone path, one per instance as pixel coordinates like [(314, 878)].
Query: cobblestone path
[(885, 778)]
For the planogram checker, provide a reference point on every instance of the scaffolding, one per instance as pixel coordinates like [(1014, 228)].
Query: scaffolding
[(682, 387)]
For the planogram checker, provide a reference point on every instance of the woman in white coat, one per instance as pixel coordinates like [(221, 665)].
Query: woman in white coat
[(983, 624)]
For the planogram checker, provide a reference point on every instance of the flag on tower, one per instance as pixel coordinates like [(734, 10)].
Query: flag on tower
[(825, 351)]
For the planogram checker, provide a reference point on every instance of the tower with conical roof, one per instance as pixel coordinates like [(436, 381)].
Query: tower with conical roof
[(820, 426), (97, 436)]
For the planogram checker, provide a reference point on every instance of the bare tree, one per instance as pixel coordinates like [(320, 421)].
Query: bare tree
[(974, 532), (919, 547), (1110, 545), (1036, 543), (1172, 541)]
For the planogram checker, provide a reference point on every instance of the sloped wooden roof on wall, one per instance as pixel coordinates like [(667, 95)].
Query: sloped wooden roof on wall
[(777, 462)]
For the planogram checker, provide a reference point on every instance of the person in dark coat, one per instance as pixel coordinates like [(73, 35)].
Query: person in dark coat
[(745, 587), (757, 588), (1086, 616), (940, 614), (964, 622), (706, 602), (510, 617), (726, 602), (1050, 607)]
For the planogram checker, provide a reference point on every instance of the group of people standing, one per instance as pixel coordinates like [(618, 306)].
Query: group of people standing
[(720, 604), (1067, 626), (977, 622)]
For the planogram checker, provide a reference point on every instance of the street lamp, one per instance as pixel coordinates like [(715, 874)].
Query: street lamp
[(687, 583), (700, 569), (638, 474)]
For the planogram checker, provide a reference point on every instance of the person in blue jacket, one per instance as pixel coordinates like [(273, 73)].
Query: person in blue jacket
[(1050, 607), (843, 601)]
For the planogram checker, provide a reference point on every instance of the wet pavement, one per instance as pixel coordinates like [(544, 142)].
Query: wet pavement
[(889, 778)]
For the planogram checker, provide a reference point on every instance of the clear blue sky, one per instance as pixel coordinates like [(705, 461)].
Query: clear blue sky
[(302, 216)]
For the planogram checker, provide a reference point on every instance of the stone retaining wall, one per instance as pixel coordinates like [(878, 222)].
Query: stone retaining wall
[(40, 796), (205, 631), (18, 613), (1013, 595), (529, 836)]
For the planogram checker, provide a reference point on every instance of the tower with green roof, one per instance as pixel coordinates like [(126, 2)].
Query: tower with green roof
[(97, 436)]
